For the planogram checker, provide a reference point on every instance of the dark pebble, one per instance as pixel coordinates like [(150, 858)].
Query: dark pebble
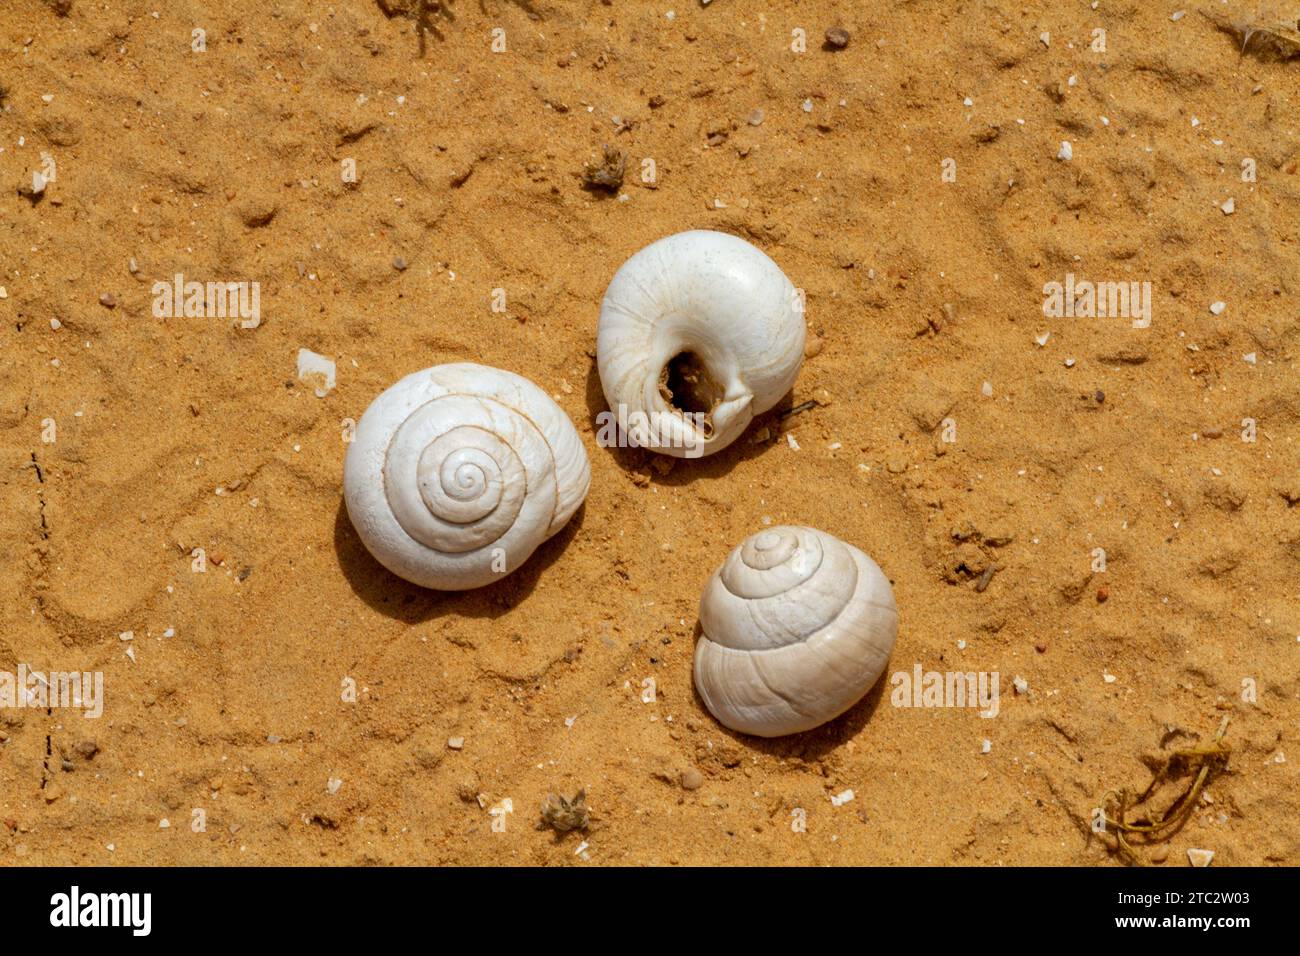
[(837, 37)]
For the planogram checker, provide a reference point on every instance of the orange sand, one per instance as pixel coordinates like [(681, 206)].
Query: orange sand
[(181, 433)]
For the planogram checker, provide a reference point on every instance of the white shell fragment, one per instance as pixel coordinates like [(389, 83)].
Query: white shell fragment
[(317, 371), (698, 333), (457, 473), (797, 627)]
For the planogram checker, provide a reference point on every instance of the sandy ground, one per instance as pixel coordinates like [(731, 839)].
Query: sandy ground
[(128, 441)]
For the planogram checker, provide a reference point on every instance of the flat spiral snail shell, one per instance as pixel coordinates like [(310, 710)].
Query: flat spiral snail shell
[(457, 473), (798, 626), (698, 333)]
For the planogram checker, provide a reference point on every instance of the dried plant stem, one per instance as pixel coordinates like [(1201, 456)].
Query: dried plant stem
[(1168, 823)]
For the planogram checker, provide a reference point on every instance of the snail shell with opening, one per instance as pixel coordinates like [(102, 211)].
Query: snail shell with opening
[(797, 627), (701, 323), (457, 473)]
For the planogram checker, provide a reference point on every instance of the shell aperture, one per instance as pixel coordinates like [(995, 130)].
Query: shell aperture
[(698, 333)]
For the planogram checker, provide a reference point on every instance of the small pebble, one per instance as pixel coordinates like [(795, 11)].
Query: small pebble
[(456, 743), (1200, 858), (837, 37), (1103, 594), (756, 117), (692, 779), (399, 264), (107, 301), (1159, 854)]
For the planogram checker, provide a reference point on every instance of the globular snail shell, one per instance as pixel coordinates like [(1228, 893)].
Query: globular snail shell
[(798, 625), (697, 322), (457, 473)]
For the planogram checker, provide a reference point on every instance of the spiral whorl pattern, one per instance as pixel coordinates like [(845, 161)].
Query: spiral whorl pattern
[(797, 627), (460, 481), (457, 473), (454, 475)]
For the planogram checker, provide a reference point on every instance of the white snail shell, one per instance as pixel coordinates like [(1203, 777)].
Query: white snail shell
[(798, 626), (704, 309), (457, 473)]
